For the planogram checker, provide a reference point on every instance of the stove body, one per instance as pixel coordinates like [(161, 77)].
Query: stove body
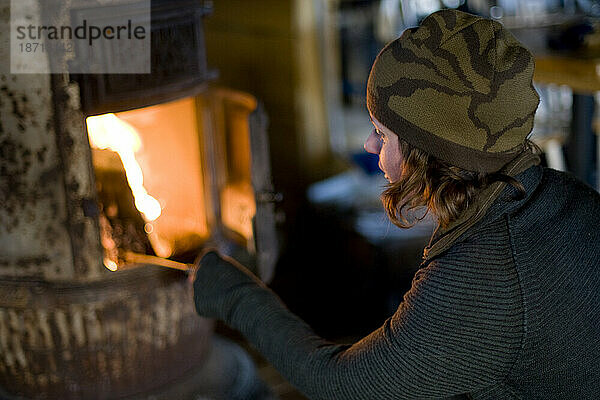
[(70, 326)]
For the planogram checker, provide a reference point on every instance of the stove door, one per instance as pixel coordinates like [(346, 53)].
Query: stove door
[(238, 168)]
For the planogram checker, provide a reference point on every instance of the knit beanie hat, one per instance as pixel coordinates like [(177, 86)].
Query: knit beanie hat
[(458, 87)]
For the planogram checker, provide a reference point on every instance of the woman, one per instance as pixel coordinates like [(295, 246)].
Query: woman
[(506, 303)]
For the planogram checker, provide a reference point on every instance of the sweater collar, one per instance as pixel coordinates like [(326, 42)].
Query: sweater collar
[(493, 201)]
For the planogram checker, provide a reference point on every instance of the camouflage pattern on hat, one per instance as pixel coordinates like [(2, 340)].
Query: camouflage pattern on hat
[(458, 87)]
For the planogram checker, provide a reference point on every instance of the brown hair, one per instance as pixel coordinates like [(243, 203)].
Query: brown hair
[(444, 189)]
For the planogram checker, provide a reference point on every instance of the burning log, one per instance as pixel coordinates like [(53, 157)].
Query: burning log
[(122, 227)]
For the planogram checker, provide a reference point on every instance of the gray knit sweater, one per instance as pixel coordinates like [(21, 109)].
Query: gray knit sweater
[(510, 311)]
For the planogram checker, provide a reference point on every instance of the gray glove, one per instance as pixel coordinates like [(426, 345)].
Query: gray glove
[(220, 283)]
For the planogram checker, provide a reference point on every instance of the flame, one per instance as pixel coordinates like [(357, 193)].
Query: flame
[(110, 264), (110, 132)]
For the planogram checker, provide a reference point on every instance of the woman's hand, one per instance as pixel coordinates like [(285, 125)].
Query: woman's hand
[(219, 283)]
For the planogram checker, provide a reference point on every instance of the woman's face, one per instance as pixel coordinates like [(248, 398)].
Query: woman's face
[(384, 143)]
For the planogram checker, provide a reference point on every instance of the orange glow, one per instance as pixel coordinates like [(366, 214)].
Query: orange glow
[(238, 208), (164, 139), (109, 132), (172, 167)]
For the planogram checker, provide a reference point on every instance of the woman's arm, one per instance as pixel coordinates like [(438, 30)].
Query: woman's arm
[(456, 331)]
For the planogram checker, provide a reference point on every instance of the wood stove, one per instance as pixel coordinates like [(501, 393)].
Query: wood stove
[(102, 176)]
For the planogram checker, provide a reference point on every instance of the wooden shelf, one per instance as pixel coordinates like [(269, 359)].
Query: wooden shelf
[(581, 74)]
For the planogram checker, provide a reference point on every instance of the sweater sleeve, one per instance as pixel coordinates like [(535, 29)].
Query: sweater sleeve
[(457, 330)]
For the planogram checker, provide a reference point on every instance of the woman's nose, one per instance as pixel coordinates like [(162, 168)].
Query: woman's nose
[(373, 143)]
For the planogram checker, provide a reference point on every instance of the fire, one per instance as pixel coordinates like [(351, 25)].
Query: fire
[(110, 132), (110, 264), (170, 169)]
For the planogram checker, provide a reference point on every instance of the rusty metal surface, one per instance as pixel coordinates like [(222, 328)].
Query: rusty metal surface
[(33, 238), (178, 60), (76, 161), (133, 332), (78, 181), (48, 228)]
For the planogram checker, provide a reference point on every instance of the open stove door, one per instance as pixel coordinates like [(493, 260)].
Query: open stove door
[(238, 168)]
